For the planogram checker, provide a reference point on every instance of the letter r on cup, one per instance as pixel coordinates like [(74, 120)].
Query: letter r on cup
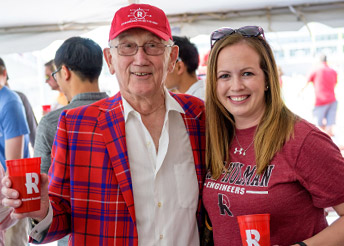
[(32, 183), (252, 241)]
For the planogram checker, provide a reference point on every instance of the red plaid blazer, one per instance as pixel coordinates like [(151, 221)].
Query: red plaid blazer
[(90, 185)]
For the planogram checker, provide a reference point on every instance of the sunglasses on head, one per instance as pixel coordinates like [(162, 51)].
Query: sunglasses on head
[(246, 31)]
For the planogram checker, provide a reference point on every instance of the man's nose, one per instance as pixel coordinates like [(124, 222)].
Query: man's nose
[(141, 55)]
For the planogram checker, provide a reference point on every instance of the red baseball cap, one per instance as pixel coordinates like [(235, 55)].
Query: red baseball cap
[(143, 16)]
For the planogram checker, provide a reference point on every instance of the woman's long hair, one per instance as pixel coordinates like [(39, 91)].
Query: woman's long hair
[(276, 125)]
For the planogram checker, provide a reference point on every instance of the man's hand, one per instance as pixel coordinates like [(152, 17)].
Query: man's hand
[(11, 199)]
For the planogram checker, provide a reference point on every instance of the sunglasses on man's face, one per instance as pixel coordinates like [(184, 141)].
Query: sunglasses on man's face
[(246, 31)]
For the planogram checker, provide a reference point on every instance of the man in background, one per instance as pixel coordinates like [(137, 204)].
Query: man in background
[(324, 79), (61, 100), (30, 116), (80, 61), (14, 139), (183, 78)]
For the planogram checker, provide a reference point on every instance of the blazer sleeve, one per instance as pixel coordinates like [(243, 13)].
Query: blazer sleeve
[(59, 185)]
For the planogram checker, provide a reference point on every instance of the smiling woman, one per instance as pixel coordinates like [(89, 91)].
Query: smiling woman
[(241, 85), (259, 148)]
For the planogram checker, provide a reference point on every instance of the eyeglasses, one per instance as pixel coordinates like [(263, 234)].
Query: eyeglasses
[(53, 74), (246, 31), (151, 49)]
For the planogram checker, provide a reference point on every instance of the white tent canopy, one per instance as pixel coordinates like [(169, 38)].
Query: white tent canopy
[(32, 25)]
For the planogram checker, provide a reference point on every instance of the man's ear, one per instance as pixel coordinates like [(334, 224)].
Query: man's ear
[(173, 57), (180, 67), (65, 72), (108, 59)]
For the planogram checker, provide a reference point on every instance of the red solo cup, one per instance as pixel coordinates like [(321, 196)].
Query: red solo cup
[(255, 229), (25, 176), (46, 108)]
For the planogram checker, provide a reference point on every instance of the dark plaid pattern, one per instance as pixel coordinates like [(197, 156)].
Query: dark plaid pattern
[(90, 184)]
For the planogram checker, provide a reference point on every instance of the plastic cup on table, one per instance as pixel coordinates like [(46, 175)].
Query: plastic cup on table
[(255, 229), (25, 176)]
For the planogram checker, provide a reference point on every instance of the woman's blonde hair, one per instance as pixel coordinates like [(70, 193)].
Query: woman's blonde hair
[(276, 125)]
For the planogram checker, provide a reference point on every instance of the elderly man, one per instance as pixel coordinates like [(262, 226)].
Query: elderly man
[(127, 170)]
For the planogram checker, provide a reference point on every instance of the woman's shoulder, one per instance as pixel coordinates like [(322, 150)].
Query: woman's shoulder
[(304, 126), (304, 130)]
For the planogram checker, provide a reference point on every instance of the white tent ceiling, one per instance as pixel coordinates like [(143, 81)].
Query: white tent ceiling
[(32, 25)]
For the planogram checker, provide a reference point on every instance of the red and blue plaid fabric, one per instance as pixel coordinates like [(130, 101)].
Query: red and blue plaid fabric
[(90, 185)]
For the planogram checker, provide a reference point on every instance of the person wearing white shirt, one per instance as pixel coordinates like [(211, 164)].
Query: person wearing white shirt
[(183, 78)]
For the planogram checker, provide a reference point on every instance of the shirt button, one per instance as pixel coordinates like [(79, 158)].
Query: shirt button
[(161, 236), (159, 204)]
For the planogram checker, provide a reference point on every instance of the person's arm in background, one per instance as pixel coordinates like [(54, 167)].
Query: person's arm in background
[(14, 148), (14, 129), (336, 79), (30, 117), (309, 79)]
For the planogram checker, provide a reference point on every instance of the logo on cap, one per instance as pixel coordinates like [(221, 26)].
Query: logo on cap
[(139, 15)]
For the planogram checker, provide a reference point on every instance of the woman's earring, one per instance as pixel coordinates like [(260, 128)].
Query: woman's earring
[(267, 87)]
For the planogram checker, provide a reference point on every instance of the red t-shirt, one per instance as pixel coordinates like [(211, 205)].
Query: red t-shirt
[(325, 80), (306, 176)]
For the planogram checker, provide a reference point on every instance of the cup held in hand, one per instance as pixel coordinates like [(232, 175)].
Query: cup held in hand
[(25, 176)]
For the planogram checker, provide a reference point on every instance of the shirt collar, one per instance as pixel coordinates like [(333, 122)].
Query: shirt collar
[(89, 96), (170, 103)]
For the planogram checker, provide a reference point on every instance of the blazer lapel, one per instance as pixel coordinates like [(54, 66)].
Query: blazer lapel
[(195, 126), (196, 145), (112, 125)]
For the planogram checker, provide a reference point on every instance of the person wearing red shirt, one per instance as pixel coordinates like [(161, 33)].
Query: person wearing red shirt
[(261, 157), (324, 79)]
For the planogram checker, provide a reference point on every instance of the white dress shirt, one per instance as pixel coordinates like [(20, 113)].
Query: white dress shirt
[(165, 186)]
